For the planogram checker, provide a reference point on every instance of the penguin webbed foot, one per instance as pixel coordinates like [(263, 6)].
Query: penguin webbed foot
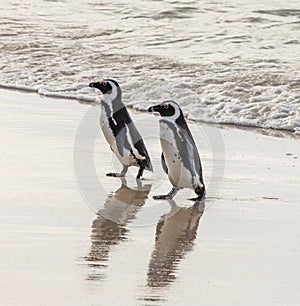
[(200, 191), (196, 199), (162, 197), (121, 174), (112, 174), (167, 196)]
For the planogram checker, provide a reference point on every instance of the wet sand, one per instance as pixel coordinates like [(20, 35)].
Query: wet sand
[(72, 236)]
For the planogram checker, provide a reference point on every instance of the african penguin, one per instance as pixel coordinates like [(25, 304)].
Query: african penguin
[(180, 158), (119, 130)]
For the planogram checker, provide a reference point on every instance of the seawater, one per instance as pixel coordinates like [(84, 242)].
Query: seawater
[(232, 62)]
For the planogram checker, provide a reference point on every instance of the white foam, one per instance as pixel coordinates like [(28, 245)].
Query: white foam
[(214, 104)]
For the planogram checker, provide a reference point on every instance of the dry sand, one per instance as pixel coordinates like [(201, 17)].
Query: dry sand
[(240, 247)]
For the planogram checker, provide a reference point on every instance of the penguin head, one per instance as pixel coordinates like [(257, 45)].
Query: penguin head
[(109, 88), (167, 109)]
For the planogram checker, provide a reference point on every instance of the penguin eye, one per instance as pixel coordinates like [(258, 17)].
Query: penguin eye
[(104, 83), (166, 106)]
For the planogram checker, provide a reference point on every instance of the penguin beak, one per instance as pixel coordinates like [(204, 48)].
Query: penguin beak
[(96, 85), (154, 108), (92, 85)]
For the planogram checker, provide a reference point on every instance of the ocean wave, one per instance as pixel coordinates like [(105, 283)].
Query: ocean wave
[(237, 64), (274, 107)]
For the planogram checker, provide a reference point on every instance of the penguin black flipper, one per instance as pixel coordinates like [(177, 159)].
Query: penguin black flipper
[(119, 131), (195, 163), (120, 140), (191, 148), (136, 139), (163, 163), (123, 115)]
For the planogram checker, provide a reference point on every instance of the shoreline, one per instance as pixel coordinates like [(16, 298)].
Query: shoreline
[(240, 246), (265, 131)]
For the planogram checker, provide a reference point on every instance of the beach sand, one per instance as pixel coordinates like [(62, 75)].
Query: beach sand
[(72, 236)]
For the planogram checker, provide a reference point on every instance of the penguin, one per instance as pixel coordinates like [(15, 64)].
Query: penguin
[(119, 130), (180, 158)]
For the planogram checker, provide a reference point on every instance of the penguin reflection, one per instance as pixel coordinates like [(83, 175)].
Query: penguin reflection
[(109, 228), (175, 234)]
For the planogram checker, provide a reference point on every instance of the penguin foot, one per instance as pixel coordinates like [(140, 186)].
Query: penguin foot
[(162, 197), (121, 174), (115, 174), (167, 196), (200, 191), (196, 199)]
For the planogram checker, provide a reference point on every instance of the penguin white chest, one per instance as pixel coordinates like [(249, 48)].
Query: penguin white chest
[(107, 131), (178, 174)]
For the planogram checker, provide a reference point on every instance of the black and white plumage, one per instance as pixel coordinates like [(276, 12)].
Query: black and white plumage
[(119, 130), (180, 158)]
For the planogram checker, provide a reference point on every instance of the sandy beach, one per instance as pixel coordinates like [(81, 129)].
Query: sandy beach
[(72, 236)]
